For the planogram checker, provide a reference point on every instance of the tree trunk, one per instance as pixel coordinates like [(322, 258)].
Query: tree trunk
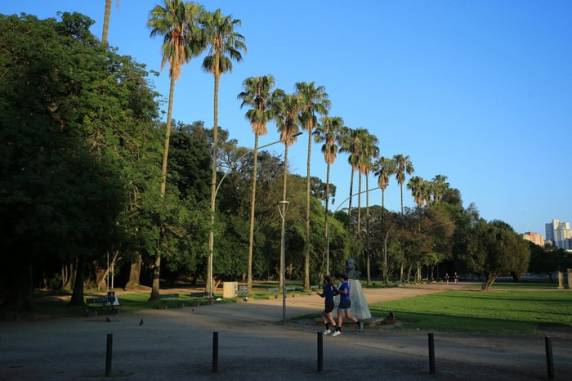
[(489, 280), (214, 158), (77, 295), (401, 273), (283, 225), (385, 268), (326, 237), (307, 243), (155, 287), (252, 209), (134, 273), (106, 18), (101, 276), (155, 290), (401, 191), (368, 255), (68, 276), (358, 229), (351, 197)]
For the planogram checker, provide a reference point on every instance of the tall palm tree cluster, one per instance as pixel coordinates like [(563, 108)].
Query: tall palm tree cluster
[(187, 31)]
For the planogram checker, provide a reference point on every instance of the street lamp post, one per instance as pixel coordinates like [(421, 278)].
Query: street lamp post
[(210, 280), (282, 206)]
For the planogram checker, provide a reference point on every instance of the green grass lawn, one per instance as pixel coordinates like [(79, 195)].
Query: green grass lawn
[(515, 311)]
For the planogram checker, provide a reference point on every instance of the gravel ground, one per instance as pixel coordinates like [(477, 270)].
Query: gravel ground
[(176, 345)]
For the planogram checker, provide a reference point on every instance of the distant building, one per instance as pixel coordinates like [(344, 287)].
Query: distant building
[(560, 233), (535, 238)]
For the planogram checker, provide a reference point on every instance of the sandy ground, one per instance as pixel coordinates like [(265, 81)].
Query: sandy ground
[(176, 345)]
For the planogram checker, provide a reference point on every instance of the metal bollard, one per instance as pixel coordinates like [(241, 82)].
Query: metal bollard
[(431, 343), (215, 352), (549, 358), (108, 354), (320, 351)]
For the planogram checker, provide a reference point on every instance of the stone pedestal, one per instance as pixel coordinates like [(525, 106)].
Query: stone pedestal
[(229, 290), (569, 273), (359, 307), (560, 278)]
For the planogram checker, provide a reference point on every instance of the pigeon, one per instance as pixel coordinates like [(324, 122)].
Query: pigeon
[(107, 319), (140, 322)]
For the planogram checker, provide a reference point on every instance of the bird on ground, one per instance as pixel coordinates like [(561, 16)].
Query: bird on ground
[(140, 322), (107, 319)]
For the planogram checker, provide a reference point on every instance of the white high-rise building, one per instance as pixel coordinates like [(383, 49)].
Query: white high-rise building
[(560, 234)]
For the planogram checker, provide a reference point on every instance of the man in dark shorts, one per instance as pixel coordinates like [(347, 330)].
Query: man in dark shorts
[(328, 294), (344, 306)]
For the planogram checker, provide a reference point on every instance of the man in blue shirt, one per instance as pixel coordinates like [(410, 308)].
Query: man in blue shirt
[(328, 294), (344, 306)]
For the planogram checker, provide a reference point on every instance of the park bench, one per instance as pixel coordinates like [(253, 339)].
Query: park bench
[(108, 303)]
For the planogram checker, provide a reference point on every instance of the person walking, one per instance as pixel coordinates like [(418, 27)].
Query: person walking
[(328, 293), (344, 306)]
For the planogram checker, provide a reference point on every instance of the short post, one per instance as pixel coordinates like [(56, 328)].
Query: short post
[(560, 277), (320, 351), (108, 354), (431, 338), (549, 358), (215, 352)]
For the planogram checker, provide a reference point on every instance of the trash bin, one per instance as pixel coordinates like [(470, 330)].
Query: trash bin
[(229, 289)]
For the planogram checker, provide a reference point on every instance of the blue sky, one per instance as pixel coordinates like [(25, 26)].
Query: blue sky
[(480, 91)]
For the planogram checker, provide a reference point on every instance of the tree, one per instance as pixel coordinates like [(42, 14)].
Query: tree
[(349, 143), (225, 45), (314, 101), (368, 152), (418, 188), (493, 248), (403, 166), (68, 169), (286, 112), (257, 94), (384, 169), (178, 23), (328, 132)]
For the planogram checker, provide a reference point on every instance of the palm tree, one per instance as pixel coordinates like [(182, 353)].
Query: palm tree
[(403, 166), (106, 18), (286, 113), (225, 45), (314, 100), (418, 187), (369, 151), (349, 143), (328, 133), (384, 169), (257, 94), (440, 186), (178, 23)]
